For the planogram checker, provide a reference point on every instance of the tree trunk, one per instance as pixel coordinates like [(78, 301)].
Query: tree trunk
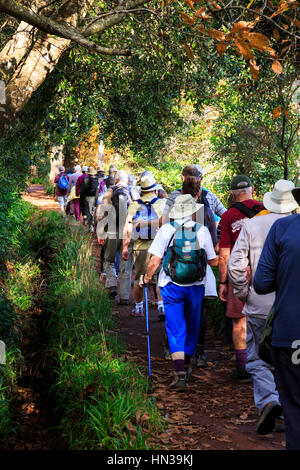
[(32, 61)]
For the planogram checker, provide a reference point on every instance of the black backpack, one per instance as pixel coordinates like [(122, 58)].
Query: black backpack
[(90, 186), (117, 192), (246, 210)]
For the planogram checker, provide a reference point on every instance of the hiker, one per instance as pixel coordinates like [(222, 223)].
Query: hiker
[(243, 207), (247, 249), (207, 197), (60, 186), (141, 225), (89, 189), (79, 186), (111, 216), (71, 192), (278, 270), (133, 191), (192, 185), (181, 283)]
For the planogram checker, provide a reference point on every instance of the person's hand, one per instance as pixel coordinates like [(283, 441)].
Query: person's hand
[(100, 241), (144, 281), (125, 254), (223, 292)]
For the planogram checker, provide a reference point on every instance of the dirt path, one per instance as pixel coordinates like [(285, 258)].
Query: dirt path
[(215, 413)]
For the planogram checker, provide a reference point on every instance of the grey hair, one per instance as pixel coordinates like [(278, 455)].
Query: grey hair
[(121, 176), (237, 192)]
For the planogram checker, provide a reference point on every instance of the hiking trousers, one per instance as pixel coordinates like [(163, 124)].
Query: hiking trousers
[(114, 245), (182, 306), (261, 372)]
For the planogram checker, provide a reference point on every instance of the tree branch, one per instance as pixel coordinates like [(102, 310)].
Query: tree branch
[(49, 26)]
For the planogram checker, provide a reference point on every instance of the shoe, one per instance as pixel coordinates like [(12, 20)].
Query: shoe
[(179, 382), (266, 422), (241, 375), (123, 302), (167, 354), (188, 372), (279, 425), (112, 292), (201, 360), (161, 314), (137, 312)]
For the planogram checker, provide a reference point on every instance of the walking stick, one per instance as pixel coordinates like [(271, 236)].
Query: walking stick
[(148, 340)]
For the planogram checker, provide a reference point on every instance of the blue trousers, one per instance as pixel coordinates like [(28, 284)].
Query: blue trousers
[(182, 309)]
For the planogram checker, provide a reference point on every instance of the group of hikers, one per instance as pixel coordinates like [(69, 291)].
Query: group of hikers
[(171, 242)]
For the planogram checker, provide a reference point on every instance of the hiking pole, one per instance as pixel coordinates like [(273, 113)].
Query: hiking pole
[(148, 339)]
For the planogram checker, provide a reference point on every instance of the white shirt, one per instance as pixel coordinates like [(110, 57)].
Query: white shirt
[(161, 241)]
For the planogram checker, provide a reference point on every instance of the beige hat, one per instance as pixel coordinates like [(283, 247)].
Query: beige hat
[(92, 171), (184, 206), (280, 200), (148, 183)]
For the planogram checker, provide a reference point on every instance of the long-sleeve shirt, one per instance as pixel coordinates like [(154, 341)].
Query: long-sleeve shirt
[(213, 201), (279, 270), (247, 251), (73, 180)]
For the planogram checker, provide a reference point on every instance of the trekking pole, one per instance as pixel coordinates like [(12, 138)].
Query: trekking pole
[(148, 338)]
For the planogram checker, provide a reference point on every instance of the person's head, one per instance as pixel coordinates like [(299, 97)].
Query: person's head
[(92, 171), (191, 185), (241, 188), (296, 194), (61, 168), (77, 169), (131, 181), (148, 184), (161, 193), (85, 169), (112, 170), (190, 170), (110, 181), (121, 177), (281, 200)]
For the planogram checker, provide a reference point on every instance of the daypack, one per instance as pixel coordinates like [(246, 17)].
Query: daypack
[(184, 261), (90, 186), (117, 192), (63, 182), (246, 210), (148, 214)]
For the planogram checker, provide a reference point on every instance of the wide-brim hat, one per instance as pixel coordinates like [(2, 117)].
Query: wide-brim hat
[(184, 206), (296, 194), (148, 183), (281, 199), (92, 171)]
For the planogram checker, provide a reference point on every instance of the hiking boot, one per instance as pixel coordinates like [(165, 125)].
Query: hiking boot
[(188, 372), (241, 375), (161, 314), (266, 422), (123, 302), (137, 312), (279, 425), (179, 382), (201, 360), (112, 292)]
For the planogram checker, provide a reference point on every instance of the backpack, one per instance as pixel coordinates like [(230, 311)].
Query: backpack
[(147, 213), (118, 191), (91, 185), (184, 261), (63, 182), (246, 210)]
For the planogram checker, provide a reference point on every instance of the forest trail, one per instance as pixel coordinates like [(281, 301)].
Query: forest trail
[(215, 413)]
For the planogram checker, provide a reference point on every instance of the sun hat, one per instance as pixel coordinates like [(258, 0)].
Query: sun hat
[(148, 183), (92, 171), (296, 194), (77, 168), (184, 206), (61, 168), (240, 182), (281, 199)]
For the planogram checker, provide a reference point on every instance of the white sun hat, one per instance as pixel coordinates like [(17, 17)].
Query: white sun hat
[(184, 206), (281, 199), (148, 183)]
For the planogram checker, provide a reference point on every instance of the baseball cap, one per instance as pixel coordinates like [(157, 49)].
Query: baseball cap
[(240, 181)]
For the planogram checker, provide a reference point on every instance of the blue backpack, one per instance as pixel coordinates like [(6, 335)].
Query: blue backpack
[(184, 261), (63, 182), (146, 213)]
